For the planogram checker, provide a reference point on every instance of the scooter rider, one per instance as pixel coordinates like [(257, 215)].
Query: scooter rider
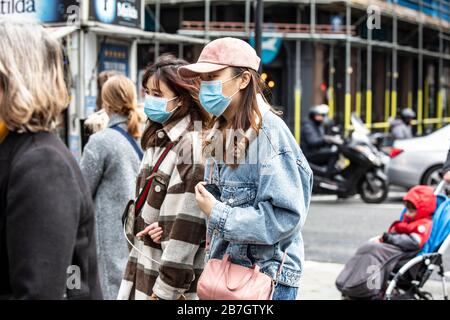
[(316, 145), (401, 128)]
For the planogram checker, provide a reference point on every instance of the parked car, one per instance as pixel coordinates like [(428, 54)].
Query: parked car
[(419, 160)]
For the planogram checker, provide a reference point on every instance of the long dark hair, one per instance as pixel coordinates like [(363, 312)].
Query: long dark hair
[(165, 70), (248, 116)]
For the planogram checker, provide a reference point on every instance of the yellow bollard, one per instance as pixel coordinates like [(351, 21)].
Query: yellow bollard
[(348, 111), (369, 108)]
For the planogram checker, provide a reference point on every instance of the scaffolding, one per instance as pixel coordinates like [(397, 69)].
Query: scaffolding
[(432, 15)]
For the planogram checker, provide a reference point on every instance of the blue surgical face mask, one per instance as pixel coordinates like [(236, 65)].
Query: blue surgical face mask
[(156, 108), (211, 97)]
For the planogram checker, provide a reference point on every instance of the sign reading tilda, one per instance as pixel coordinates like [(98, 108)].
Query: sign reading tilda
[(17, 6), (36, 10)]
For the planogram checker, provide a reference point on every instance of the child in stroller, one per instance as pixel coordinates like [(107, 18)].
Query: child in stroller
[(365, 275), (412, 233)]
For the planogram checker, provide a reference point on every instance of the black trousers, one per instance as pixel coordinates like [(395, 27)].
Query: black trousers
[(324, 157)]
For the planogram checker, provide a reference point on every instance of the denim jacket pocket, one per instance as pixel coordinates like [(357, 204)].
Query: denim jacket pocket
[(238, 196)]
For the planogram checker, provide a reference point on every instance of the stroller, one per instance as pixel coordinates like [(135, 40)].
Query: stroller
[(409, 277), (402, 275)]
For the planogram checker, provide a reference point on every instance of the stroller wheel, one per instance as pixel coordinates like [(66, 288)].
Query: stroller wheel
[(412, 295), (400, 294), (424, 295)]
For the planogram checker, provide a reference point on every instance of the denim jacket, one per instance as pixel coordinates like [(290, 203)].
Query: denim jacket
[(262, 204)]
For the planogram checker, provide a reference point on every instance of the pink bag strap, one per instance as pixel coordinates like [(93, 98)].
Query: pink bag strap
[(245, 279), (256, 269)]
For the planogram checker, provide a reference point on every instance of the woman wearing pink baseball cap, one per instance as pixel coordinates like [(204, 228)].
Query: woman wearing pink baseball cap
[(258, 182)]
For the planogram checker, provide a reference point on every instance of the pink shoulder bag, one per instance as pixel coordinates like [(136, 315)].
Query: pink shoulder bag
[(223, 280)]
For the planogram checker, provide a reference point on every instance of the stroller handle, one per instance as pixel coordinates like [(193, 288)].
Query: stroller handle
[(440, 187)]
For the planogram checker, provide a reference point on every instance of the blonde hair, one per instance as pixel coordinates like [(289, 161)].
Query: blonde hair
[(119, 96), (31, 78)]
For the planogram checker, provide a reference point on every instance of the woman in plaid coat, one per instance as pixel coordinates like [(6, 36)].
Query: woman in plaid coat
[(167, 257)]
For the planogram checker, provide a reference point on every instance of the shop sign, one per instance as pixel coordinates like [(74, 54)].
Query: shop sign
[(44, 11), (114, 57), (125, 13)]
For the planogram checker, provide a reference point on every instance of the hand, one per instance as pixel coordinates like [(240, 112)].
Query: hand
[(155, 297), (375, 239), (339, 141), (447, 177), (205, 200), (333, 139), (154, 231)]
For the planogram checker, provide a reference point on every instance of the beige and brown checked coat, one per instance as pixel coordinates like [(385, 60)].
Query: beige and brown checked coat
[(171, 202)]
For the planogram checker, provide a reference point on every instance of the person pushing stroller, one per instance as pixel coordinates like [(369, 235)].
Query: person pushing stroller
[(365, 275)]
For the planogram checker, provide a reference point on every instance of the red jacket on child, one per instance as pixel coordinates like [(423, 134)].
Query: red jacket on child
[(419, 227)]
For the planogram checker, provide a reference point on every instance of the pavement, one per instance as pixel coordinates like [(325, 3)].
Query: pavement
[(318, 282), (333, 232)]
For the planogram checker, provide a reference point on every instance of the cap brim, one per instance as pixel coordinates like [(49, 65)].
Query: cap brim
[(194, 70)]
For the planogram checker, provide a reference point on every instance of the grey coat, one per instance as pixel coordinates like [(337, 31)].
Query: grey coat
[(400, 130), (110, 165)]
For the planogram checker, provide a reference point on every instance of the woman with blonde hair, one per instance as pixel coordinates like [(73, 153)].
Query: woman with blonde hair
[(47, 239), (110, 164)]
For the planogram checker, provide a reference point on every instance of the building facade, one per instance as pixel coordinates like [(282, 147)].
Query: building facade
[(97, 35), (370, 57)]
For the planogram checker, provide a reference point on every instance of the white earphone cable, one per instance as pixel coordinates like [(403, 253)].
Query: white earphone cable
[(132, 245)]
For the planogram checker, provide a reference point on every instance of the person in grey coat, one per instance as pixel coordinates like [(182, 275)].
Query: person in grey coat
[(401, 128), (110, 164)]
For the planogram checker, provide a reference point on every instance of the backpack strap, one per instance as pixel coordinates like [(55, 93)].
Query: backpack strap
[(130, 140)]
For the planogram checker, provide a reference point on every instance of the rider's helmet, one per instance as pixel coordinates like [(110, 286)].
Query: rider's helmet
[(321, 109), (407, 115)]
